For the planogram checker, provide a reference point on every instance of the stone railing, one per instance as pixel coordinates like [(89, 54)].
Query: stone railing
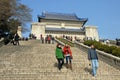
[(108, 58), (58, 41), (1, 42)]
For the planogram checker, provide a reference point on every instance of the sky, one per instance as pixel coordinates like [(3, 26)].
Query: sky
[(105, 14)]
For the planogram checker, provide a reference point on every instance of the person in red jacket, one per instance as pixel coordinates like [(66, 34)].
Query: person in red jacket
[(68, 55), (49, 39)]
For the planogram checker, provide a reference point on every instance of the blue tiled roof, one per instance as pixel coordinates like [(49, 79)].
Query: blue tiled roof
[(61, 16), (64, 30)]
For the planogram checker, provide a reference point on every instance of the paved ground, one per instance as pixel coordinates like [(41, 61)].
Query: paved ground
[(34, 61)]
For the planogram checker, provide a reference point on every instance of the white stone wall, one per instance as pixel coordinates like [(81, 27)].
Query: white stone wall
[(19, 31), (38, 29), (91, 32)]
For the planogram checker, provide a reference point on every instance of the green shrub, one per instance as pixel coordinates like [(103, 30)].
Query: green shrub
[(89, 42), (101, 47), (66, 42), (97, 44), (112, 48), (108, 49), (116, 52)]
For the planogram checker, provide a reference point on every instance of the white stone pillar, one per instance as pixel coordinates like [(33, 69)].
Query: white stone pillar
[(91, 32), (19, 31)]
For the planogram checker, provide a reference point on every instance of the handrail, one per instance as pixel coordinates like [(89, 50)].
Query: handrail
[(108, 58), (110, 55)]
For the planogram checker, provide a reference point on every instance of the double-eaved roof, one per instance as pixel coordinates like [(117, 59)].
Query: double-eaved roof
[(61, 16)]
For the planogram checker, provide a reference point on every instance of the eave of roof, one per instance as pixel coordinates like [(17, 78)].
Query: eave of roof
[(61, 16), (85, 20)]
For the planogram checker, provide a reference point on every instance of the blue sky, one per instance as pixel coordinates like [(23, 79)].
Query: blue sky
[(105, 14)]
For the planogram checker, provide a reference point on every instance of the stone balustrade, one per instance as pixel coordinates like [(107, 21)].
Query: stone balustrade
[(108, 58), (59, 42)]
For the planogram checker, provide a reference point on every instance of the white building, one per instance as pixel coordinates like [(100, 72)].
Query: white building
[(58, 24)]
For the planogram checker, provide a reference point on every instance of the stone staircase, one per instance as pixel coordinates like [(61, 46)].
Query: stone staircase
[(35, 61)]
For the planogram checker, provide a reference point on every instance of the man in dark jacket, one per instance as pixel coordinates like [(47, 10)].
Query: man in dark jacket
[(16, 38), (53, 40), (92, 55)]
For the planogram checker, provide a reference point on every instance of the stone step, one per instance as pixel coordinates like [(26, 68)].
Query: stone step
[(35, 61)]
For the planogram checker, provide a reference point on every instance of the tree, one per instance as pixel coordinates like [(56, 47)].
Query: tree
[(4, 15), (13, 25), (13, 14)]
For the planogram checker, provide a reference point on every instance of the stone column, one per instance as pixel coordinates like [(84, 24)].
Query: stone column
[(91, 32), (19, 31)]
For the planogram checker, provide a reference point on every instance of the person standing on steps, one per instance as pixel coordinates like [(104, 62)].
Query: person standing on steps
[(42, 39), (46, 39), (92, 56), (16, 39), (68, 55), (49, 39), (59, 56), (53, 40)]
